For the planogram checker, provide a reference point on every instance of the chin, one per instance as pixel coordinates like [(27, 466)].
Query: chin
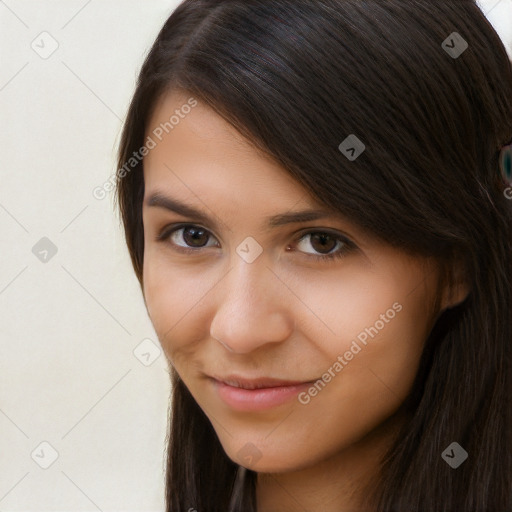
[(272, 456)]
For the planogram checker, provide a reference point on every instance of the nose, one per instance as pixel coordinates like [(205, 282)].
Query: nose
[(252, 308)]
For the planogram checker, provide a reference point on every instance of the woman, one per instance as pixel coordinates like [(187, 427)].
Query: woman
[(316, 213)]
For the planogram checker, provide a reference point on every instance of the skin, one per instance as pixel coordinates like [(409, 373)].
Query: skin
[(285, 315)]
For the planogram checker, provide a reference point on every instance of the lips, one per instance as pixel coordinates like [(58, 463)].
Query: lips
[(258, 383), (258, 394)]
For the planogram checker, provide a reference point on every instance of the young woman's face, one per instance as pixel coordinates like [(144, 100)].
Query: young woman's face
[(237, 292)]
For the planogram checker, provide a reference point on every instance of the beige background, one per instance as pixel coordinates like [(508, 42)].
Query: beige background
[(83, 387)]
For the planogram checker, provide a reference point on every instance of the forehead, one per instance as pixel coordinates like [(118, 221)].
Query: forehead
[(200, 153), (180, 117)]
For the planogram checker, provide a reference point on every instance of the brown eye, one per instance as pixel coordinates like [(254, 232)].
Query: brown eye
[(195, 237), (325, 245), (187, 237), (323, 242)]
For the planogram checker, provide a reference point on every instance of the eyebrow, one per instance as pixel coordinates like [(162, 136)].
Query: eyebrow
[(158, 200)]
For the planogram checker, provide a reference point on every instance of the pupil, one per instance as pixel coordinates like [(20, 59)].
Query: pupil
[(322, 238), (193, 235)]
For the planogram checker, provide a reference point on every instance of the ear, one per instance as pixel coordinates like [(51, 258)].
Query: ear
[(456, 287)]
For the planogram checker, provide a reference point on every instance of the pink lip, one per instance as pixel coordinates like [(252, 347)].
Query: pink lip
[(263, 393)]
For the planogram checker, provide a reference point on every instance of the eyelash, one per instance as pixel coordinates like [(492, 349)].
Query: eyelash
[(342, 251)]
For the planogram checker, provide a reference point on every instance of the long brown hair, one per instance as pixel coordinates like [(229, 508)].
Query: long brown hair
[(296, 78)]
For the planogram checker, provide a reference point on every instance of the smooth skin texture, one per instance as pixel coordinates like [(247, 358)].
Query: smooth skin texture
[(288, 315)]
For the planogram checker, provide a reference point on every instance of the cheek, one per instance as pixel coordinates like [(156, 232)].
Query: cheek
[(173, 296), (380, 327), (392, 302), (346, 306), (369, 384), (372, 379)]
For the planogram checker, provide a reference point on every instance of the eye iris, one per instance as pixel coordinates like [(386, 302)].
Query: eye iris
[(191, 235), (322, 238)]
